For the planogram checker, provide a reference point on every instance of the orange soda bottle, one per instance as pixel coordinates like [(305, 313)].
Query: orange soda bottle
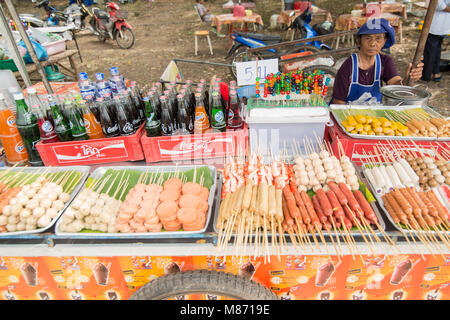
[(201, 122), (9, 135), (93, 127)]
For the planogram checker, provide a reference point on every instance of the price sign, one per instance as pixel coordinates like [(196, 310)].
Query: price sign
[(248, 71)]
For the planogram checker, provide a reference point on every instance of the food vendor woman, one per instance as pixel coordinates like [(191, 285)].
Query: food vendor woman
[(366, 71)]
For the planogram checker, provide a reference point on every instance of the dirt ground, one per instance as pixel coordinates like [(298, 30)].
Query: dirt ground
[(165, 30)]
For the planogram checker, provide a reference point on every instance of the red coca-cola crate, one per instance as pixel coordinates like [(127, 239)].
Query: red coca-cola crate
[(355, 148), (126, 148), (195, 146)]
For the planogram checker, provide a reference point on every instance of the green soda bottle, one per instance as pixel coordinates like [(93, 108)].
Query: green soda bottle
[(217, 117), (76, 122), (152, 123), (62, 128), (28, 127)]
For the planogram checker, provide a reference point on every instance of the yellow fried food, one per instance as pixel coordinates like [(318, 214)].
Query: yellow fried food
[(360, 118)]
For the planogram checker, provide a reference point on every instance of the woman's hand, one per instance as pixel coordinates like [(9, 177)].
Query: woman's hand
[(414, 73)]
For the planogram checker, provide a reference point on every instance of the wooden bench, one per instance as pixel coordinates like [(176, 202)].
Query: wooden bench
[(69, 71)]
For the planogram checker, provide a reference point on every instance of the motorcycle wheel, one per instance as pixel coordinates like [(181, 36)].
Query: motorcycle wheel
[(241, 55), (125, 39), (206, 283)]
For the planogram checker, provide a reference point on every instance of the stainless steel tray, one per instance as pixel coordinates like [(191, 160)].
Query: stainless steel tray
[(99, 172), (84, 170), (386, 213), (428, 110), (352, 232)]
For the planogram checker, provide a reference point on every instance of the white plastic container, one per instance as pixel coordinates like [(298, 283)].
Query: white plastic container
[(276, 131), (55, 47)]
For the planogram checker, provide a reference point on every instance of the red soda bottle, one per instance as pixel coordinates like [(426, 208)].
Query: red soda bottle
[(46, 129), (234, 112)]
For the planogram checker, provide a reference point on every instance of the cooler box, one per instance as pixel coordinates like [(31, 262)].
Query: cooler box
[(355, 148), (195, 146), (85, 152), (273, 131), (55, 47)]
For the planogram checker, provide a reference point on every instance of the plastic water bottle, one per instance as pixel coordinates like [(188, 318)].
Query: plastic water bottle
[(87, 88), (102, 85), (116, 81)]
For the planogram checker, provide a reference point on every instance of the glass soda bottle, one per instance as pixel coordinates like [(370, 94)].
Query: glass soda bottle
[(46, 128), (116, 80), (234, 116), (62, 127), (27, 125), (201, 123), (152, 123), (124, 119), (130, 109), (76, 122), (166, 118), (9, 135), (93, 107), (92, 125), (156, 103), (137, 99), (172, 108), (109, 102), (217, 116), (107, 120), (186, 126)]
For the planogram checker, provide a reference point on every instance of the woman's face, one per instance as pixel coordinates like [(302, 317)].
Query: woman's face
[(371, 44)]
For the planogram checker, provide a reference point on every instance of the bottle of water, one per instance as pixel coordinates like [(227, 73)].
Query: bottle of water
[(102, 85), (116, 81), (87, 88)]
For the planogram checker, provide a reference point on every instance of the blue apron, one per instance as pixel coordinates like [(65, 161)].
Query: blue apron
[(356, 89)]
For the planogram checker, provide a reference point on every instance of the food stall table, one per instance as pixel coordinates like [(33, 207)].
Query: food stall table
[(318, 15), (71, 70), (394, 7), (228, 19), (347, 22), (246, 5)]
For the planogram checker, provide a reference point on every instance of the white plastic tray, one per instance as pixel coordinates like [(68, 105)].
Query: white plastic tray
[(161, 169)]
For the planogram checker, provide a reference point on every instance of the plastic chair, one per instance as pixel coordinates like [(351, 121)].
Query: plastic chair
[(201, 33)]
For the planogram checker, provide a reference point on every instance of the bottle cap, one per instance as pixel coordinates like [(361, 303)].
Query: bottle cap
[(162, 98), (99, 76), (146, 98), (100, 99), (198, 95), (114, 71), (215, 94), (18, 96), (83, 76), (179, 96)]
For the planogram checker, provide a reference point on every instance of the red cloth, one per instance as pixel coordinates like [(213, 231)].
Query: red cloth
[(238, 11), (302, 5)]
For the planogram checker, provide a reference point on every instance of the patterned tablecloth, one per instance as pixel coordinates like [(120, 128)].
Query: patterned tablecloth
[(387, 7), (228, 18), (347, 22), (318, 15)]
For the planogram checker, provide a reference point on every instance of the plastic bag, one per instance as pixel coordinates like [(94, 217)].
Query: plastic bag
[(41, 52)]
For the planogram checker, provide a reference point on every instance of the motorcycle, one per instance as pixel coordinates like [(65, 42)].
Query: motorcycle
[(111, 24), (242, 41), (73, 14)]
